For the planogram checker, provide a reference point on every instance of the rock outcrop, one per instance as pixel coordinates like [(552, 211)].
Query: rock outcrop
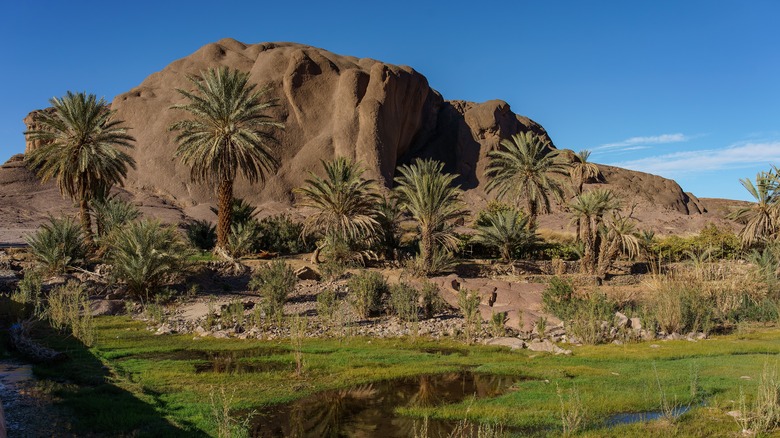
[(380, 114)]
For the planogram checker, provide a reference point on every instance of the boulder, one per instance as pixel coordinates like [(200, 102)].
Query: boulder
[(547, 347), (107, 307), (307, 273), (512, 343), (621, 320)]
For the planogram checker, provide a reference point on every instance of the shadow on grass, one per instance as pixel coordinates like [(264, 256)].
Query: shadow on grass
[(83, 386)]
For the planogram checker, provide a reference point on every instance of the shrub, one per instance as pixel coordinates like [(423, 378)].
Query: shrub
[(679, 306), (558, 298), (468, 302), (68, 309), (26, 300), (723, 244), (283, 235), (274, 282), (432, 303), (507, 232), (403, 301), (112, 213), (365, 292), (243, 238), (146, 255), (202, 234), (58, 245), (441, 261), (497, 322), (327, 304), (589, 317)]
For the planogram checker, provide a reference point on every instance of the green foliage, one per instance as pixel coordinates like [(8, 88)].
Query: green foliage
[(492, 208), (241, 211), (766, 266), (58, 245), (468, 303), (147, 254), (432, 302), (281, 234), (26, 300), (525, 168), (365, 292), (327, 303), (497, 324), (243, 238), (681, 307), (560, 250), (113, 213), (762, 217), (558, 298), (68, 310), (404, 299), (81, 149), (588, 316), (202, 234), (507, 231), (344, 204), (427, 193), (722, 243), (275, 282)]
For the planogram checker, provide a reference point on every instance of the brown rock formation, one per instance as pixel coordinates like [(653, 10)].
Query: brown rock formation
[(332, 105)]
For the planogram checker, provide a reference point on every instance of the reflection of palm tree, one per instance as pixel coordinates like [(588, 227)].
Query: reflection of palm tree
[(323, 414), (426, 394)]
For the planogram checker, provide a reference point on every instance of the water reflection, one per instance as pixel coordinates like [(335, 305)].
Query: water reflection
[(368, 410)]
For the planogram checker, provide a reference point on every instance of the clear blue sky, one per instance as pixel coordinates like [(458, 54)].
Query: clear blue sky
[(685, 89)]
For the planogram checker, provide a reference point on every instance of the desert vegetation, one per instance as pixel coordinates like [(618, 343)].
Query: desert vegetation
[(369, 283)]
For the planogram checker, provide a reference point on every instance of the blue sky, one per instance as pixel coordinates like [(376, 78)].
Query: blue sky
[(685, 89)]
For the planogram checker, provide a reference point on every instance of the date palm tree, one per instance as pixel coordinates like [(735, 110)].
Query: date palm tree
[(345, 204), (427, 193), (506, 230), (230, 133), (761, 219), (589, 209), (81, 148), (582, 170), (527, 169)]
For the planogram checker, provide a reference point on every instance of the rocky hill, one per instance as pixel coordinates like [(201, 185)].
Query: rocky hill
[(333, 105)]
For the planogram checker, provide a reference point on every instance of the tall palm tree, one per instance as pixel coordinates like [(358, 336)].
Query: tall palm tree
[(345, 204), (426, 192), (81, 149), (582, 170), (229, 133), (528, 169), (589, 209), (761, 219), (506, 230)]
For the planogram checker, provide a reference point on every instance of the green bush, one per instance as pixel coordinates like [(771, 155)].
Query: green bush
[(589, 314), (403, 300), (723, 244), (432, 303), (275, 282), (27, 299), (558, 298), (365, 292), (113, 213), (146, 255), (58, 245), (327, 304), (680, 307), (68, 310), (243, 238), (468, 302), (202, 234), (283, 235)]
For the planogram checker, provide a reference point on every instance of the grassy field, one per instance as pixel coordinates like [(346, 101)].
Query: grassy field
[(135, 383)]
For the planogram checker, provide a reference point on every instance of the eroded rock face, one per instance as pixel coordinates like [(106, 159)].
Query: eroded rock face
[(380, 114)]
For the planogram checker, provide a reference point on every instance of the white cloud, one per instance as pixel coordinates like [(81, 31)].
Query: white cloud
[(687, 162), (655, 139)]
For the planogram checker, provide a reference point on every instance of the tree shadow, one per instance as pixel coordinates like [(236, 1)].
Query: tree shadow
[(82, 388)]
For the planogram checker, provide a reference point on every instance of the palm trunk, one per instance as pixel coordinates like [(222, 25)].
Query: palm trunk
[(426, 249), (532, 213), (224, 212), (86, 222), (586, 264)]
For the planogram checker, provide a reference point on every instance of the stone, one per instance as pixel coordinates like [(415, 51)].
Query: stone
[(547, 347), (307, 273), (621, 320), (512, 343), (107, 307), (635, 324)]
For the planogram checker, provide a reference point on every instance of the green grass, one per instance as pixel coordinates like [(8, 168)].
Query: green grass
[(152, 381)]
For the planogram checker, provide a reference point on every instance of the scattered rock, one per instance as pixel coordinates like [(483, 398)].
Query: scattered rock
[(621, 320), (636, 324), (107, 307), (547, 347), (307, 273), (512, 343)]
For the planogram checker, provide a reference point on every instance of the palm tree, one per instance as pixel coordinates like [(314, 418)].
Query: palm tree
[(526, 168), (345, 204), (81, 149), (506, 230), (426, 192), (589, 209), (229, 133), (618, 236), (582, 170), (761, 219)]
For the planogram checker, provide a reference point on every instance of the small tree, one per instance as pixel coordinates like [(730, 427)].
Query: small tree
[(507, 231), (58, 245), (146, 254), (275, 282)]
